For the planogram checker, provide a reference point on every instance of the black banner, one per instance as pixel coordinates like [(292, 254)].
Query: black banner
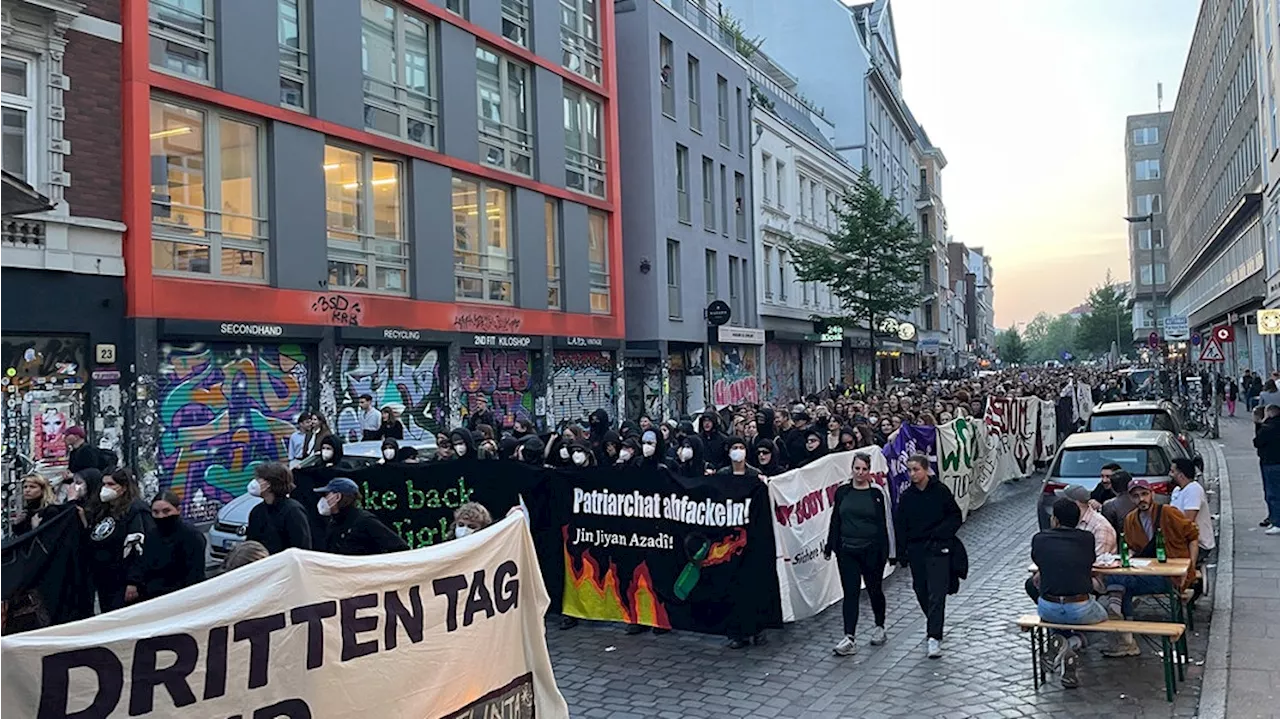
[(44, 581)]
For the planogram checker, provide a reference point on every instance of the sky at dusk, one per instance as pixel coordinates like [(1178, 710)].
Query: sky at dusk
[(1027, 99)]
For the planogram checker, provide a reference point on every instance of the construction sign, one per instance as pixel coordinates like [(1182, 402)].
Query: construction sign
[(1211, 351)]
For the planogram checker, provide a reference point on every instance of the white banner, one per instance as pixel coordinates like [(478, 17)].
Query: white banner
[(1082, 400), (1048, 443), (455, 630), (802, 511), (961, 444), (1025, 426)]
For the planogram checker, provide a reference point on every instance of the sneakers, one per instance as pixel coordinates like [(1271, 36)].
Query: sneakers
[(1125, 646), (1273, 531), (1069, 662), (633, 629), (1053, 657), (878, 637), (739, 643), (845, 647), (1265, 523), (935, 648)]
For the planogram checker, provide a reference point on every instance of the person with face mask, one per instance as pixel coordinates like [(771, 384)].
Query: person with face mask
[(532, 451), (468, 519), (690, 460), (815, 447), (713, 440), (629, 454), (738, 460), (280, 522), (598, 429), (330, 450), (350, 529), (521, 429), (610, 448), (580, 454), (175, 553), (118, 523), (653, 453), (444, 448), (463, 444), (390, 448)]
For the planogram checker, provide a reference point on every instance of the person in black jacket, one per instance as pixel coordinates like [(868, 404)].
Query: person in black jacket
[(391, 427), (175, 553), (464, 445), (481, 414), (925, 528), (352, 530), (598, 427), (1267, 442), (690, 457), (83, 455), (766, 456), (280, 522), (714, 447), (330, 450), (653, 450), (858, 536), (815, 447), (118, 523)]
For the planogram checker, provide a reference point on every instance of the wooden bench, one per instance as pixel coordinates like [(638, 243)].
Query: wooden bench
[(1169, 633)]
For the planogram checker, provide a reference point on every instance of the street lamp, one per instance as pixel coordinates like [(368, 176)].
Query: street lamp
[(1150, 219)]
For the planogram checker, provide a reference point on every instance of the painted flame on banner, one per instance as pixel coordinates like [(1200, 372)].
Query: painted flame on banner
[(593, 594)]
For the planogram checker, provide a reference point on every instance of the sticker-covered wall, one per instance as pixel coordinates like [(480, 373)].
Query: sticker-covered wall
[(408, 379), (223, 409)]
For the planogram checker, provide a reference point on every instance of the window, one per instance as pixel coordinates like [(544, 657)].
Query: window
[(667, 57), (483, 264), (458, 7), (804, 294), (740, 205), (583, 142), (19, 119), (1145, 274), (722, 110), (1146, 170), (673, 280), (207, 214), (780, 175), (598, 260), (515, 21), (505, 139), (782, 274), (1146, 136), (735, 293), (724, 201), (768, 272), (181, 37), (832, 211), (741, 123), (695, 94), (804, 195), (293, 54), (711, 278), (1147, 204), (396, 57), (708, 194), (766, 182), (552, 224), (682, 184), (579, 39), (366, 235), (928, 315), (1144, 239)]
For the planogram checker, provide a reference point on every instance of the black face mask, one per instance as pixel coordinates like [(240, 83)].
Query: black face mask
[(519, 433), (166, 525)]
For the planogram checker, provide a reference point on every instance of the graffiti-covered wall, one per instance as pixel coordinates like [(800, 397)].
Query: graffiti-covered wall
[(644, 388), (412, 380), (502, 377), (223, 410), (734, 373), (581, 382), (782, 372)]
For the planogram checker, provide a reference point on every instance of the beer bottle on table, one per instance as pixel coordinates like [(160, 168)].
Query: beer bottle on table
[(1124, 552), (1160, 555)]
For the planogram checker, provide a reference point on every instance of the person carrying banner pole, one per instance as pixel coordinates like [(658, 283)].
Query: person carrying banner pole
[(926, 523), (858, 536)]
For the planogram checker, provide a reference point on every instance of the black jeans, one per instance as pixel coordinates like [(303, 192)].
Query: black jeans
[(855, 567), (930, 575)]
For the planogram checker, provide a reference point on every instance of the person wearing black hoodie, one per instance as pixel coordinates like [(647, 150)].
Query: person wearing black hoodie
[(653, 450), (925, 525), (464, 444), (174, 556), (352, 530), (330, 450), (599, 426), (118, 524), (691, 457), (713, 440), (814, 447), (767, 459), (629, 454), (610, 448)]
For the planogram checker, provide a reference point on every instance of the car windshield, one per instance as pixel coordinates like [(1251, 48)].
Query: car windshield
[(1137, 420), (1088, 461)]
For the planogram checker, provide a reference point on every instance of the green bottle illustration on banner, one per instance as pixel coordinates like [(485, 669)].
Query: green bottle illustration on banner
[(692, 571)]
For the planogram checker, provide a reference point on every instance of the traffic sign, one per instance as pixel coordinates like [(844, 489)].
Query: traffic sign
[(1269, 322), (1196, 339), (1175, 328), (1224, 333), (1212, 351), (1153, 339)]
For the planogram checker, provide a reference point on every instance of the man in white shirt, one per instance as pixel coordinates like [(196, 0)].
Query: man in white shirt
[(1104, 535), (1189, 496), (370, 418)]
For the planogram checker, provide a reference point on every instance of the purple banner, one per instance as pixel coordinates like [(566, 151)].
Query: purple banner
[(910, 439)]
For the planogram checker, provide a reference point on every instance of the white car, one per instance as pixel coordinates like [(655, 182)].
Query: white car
[(229, 528)]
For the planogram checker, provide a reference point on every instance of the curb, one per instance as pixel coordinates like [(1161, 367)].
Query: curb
[(1213, 692)]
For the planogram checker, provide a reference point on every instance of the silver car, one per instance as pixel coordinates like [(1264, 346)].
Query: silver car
[(229, 528), (1142, 414), (1145, 454)]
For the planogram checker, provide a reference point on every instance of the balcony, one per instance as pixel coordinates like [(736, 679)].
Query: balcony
[(23, 233)]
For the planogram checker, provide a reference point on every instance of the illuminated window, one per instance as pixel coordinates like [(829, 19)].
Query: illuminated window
[(483, 265), (207, 210), (365, 221)]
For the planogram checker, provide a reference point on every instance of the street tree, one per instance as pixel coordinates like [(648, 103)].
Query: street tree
[(1047, 337), (873, 262), (1010, 347), (1106, 318)]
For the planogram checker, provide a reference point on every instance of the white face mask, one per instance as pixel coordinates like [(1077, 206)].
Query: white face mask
[(648, 449), (462, 530), (255, 488), (108, 494), (564, 453), (626, 454), (686, 454), (459, 449), (326, 454), (323, 507), (579, 458), (737, 455), (388, 454)]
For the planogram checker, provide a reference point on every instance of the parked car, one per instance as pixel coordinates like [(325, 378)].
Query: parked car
[(229, 528), (1140, 415), (1146, 454)]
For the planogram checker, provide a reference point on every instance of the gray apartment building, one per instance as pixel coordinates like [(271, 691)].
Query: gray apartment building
[(1214, 185), (687, 229), (1144, 142)]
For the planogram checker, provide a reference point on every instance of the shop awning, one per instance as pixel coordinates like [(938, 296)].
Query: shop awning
[(19, 198)]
